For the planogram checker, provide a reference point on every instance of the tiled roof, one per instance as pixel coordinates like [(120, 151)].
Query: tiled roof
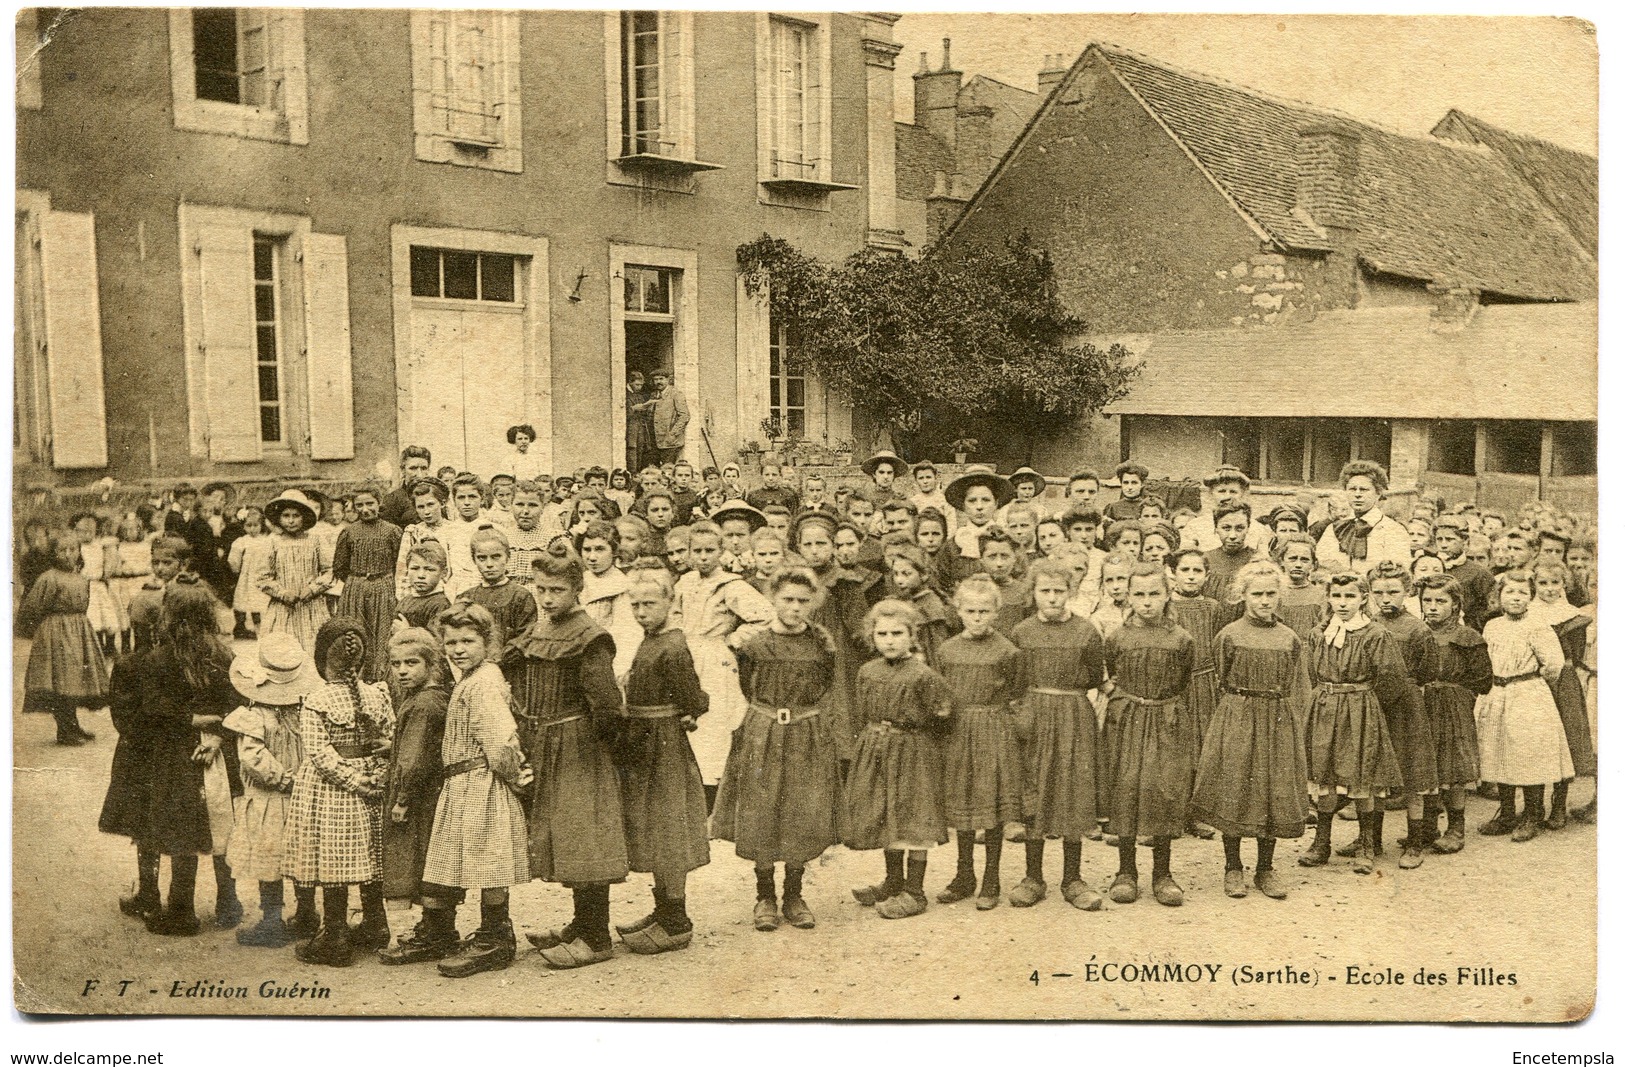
[(1512, 361), (921, 155), (1426, 208), (1565, 178)]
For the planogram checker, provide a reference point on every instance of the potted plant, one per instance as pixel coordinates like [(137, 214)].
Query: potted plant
[(794, 448), (750, 457), (844, 449), (773, 430), (964, 448)]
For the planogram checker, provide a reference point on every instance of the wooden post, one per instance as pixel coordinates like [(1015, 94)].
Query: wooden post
[(1546, 458)]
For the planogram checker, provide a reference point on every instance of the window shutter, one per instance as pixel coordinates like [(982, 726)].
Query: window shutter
[(778, 60), (676, 123), (226, 268), (440, 79), (287, 58), (813, 132), (327, 347), (73, 340)]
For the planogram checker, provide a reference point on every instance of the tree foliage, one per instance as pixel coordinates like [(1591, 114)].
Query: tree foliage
[(941, 343)]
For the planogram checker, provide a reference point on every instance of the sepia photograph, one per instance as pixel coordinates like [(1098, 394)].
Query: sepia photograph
[(770, 515)]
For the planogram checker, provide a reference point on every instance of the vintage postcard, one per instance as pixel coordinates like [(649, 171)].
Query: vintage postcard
[(779, 515)]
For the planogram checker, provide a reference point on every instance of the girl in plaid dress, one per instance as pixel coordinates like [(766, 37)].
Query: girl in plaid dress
[(478, 840), (334, 834)]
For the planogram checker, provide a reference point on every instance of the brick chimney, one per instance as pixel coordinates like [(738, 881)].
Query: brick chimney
[(1328, 164), (1453, 308), (947, 200), (936, 97), (1050, 74), (973, 153)]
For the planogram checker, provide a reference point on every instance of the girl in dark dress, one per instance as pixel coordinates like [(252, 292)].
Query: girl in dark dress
[(364, 558), (1552, 603), (662, 797), (1149, 663), (894, 795), (1348, 748), (417, 666), (1251, 774), (168, 702), (66, 668), (562, 671), (509, 602), (426, 597), (779, 799), (1064, 658), (1402, 705), (839, 611), (1464, 675), (984, 781)]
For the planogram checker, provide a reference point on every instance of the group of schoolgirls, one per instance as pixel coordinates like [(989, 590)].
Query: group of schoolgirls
[(877, 670)]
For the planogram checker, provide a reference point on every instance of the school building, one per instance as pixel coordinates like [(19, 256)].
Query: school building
[(1305, 288), (260, 243)]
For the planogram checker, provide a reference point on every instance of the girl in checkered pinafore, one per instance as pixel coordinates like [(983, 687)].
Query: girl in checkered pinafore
[(335, 817)]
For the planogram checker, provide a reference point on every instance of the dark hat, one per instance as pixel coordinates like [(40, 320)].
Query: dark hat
[(1228, 473), (816, 518), (883, 456), (293, 498), (1027, 474), (1003, 491), (738, 509), (1281, 511)]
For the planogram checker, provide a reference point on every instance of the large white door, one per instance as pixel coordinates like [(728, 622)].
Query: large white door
[(468, 383)]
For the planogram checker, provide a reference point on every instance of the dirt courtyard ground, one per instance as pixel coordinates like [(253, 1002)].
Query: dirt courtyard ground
[(1500, 932)]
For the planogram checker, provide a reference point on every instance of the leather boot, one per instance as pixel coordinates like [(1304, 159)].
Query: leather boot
[(270, 931), (1506, 819), (145, 900), (492, 947), (1559, 817), (434, 938), (372, 932)]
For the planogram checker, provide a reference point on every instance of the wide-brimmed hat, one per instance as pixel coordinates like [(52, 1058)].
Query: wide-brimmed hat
[(279, 671), (738, 509), (1228, 473), (884, 456), (1003, 491), (1027, 474), (293, 498)]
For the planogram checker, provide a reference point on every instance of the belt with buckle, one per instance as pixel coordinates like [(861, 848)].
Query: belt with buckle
[(1524, 677), (463, 766), (886, 726), (370, 577), (1056, 692), (1147, 702), (1265, 694), (786, 716), (653, 711), (1346, 687)]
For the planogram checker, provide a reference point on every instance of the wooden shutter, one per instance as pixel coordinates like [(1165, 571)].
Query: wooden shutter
[(226, 270), (289, 85), (812, 137), (73, 340), (676, 122), (327, 347)]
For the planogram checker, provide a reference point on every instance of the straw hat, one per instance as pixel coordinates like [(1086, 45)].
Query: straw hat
[(1027, 474), (884, 456), (279, 671), (1003, 491), (293, 498), (738, 509)]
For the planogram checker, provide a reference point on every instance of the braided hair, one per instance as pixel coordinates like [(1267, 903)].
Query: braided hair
[(340, 653)]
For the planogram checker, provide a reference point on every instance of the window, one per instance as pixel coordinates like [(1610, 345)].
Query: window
[(465, 88), (786, 385), (450, 274), (266, 313), (644, 121), (268, 338), (1452, 446), (230, 55), (648, 292), (1574, 448), (1512, 447), (797, 101), (240, 71)]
